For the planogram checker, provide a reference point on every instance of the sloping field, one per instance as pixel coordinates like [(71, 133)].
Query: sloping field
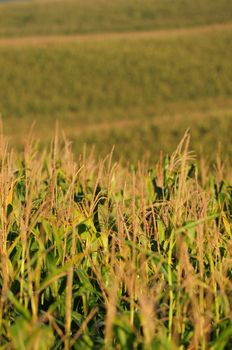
[(39, 41), (152, 86), (131, 73), (23, 18), (143, 135)]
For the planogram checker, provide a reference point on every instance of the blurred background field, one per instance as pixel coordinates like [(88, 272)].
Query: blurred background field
[(134, 74), (90, 16), (34, 17)]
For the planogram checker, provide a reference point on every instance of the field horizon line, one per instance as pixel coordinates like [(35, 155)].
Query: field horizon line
[(159, 34)]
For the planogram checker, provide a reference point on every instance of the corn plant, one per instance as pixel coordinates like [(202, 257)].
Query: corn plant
[(96, 256)]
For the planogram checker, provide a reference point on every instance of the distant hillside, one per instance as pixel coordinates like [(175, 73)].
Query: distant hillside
[(24, 18)]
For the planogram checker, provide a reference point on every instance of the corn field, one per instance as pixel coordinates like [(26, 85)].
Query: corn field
[(94, 255)]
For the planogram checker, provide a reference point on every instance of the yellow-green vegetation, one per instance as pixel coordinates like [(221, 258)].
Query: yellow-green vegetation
[(149, 87), (130, 73), (95, 256), (82, 79), (135, 254), (23, 18)]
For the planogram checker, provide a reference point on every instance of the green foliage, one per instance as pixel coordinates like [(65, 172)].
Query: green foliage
[(97, 255), (139, 94), (91, 16), (84, 79), (94, 256), (26, 336)]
